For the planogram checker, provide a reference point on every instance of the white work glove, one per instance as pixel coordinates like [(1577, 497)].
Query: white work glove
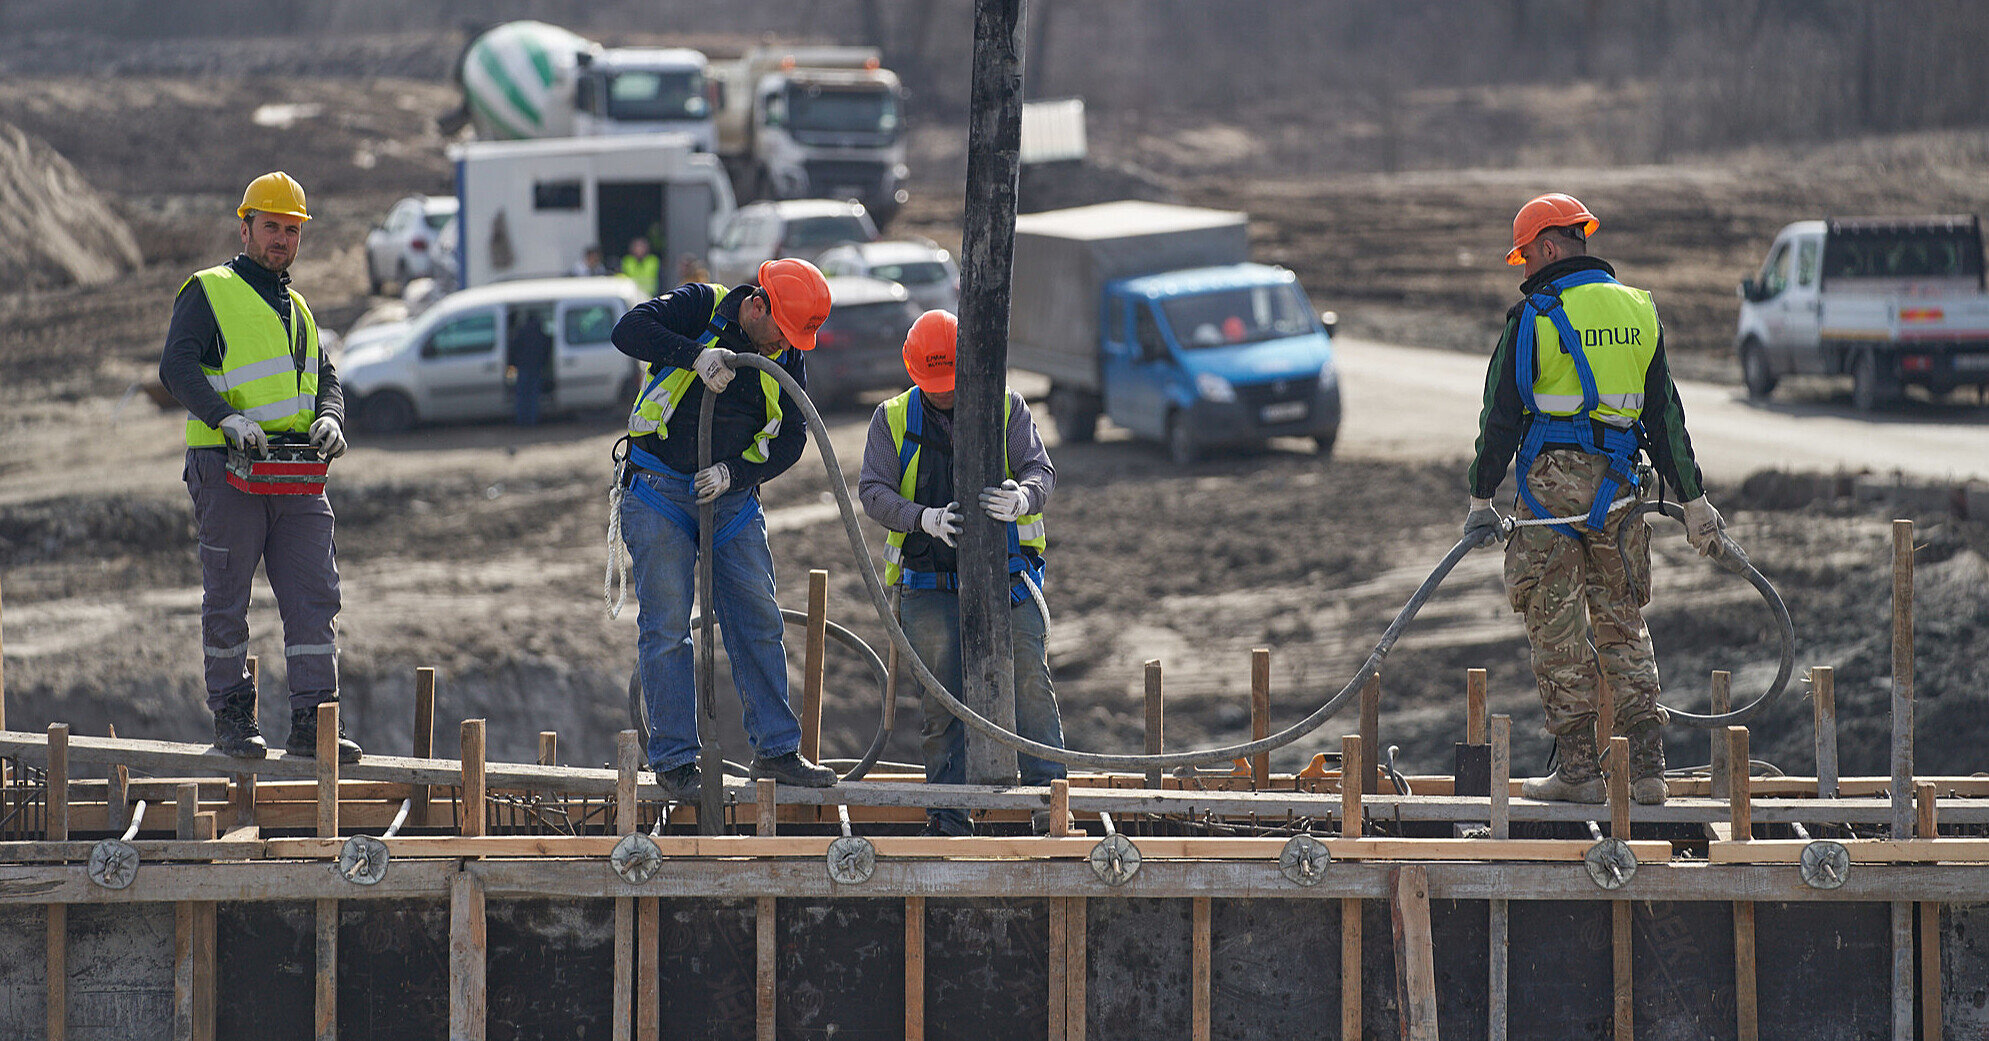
[(1703, 524), (328, 437), (712, 481), (941, 522), (714, 367), (1482, 525), (246, 433), (1006, 502)]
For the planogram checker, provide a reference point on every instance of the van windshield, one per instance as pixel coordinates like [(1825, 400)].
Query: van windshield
[(656, 95), (1231, 316), (1928, 253)]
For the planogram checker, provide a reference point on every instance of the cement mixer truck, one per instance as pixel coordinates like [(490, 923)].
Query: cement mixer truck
[(526, 80)]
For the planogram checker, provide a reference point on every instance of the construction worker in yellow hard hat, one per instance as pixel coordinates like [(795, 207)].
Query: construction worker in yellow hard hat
[(242, 356), (907, 486), (687, 340), (1579, 390)]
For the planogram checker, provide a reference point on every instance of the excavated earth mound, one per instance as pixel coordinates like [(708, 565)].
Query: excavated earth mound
[(55, 229)]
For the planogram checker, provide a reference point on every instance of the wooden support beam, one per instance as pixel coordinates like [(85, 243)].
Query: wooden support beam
[(915, 972), (1351, 769), (548, 748), (813, 665), (1903, 981), (1199, 995), (1350, 966), (648, 968), (1740, 808), (1058, 957), (1059, 808), (1415, 957), (1619, 788), (58, 782), (1474, 707), (1498, 971), (1930, 972), (327, 968), (628, 753), (766, 989), (473, 778), (1747, 1008), (1501, 777), (1260, 715), (424, 740), (1823, 692), (1926, 823), (467, 999), (1862, 851), (117, 797), (1623, 1010), (328, 769), (1722, 702), (58, 972), (205, 930), (1076, 963), (624, 994), (1154, 721), (1370, 734), (1902, 678), (186, 816), (763, 791)]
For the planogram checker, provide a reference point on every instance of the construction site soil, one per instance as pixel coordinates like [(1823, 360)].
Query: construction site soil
[(479, 550)]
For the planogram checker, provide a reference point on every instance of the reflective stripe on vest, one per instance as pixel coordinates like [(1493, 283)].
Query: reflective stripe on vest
[(664, 388), (1618, 331), (261, 373), (1027, 530)]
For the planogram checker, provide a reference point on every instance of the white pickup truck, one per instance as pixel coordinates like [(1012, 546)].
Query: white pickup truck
[(1887, 301)]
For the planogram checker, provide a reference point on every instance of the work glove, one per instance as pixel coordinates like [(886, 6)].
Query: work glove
[(1483, 525), (1703, 524), (714, 367), (712, 481), (246, 433), (941, 522), (326, 434), (1006, 502)]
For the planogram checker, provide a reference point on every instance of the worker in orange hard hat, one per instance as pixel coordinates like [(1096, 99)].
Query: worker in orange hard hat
[(242, 354), (907, 486), (688, 341), (1578, 396)]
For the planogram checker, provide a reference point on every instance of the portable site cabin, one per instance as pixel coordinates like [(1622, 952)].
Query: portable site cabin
[(530, 209)]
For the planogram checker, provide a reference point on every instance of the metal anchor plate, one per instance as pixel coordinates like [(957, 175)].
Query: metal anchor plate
[(1115, 860), (113, 863), (363, 860), (636, 858), (1611, 863), (1825, 864), (1304, 860), (852, 860)]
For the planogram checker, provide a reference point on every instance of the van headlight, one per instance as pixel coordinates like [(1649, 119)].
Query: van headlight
[(1328, 376), (1214, 388)]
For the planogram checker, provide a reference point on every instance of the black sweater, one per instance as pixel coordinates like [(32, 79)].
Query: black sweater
[(194, 339)]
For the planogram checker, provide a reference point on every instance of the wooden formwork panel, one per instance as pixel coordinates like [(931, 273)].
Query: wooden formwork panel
[(1275, 968), (987, 968), (393, 970), (1825, 971), (551, 969), (1461, 930), (840, 968), (708, 968), (1681, 957), (120, 972), (1561, 984), (1138, 962), (24, 973), (265, 967), (1965, 970)]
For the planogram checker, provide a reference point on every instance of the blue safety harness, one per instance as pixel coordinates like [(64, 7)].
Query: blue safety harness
[(644, 460), (1618, 444), (1018, 561)]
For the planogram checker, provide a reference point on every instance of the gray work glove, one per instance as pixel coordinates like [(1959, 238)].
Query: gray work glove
[(714, 367), (246, 433), (327, 436), (1005, 503), (712, 481), (941, 522), (1703, 524), (1483, 525)]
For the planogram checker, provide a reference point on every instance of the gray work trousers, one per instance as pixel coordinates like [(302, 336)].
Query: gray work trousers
[(291, 535)]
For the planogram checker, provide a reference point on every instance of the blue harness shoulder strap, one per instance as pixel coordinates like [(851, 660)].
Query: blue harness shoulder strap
[(712, 332), (1617, 444)]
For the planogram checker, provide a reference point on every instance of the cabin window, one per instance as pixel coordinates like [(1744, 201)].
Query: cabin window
[(556, 195)]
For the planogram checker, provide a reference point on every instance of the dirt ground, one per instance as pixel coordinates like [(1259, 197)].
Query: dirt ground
[(480, 550)]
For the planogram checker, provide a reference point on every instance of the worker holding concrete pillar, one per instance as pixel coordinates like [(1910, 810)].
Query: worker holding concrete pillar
[(242, 356), (686, 340), (1578, 389), (907, 486)]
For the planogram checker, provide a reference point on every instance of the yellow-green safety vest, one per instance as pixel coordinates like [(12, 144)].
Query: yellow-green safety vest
[(1028, 528), (659, 398), (646, 271), (267, 373), (1619, 330)]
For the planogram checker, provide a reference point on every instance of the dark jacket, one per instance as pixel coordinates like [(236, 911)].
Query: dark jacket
[(665, 331), (194, 339), (1503, 420)]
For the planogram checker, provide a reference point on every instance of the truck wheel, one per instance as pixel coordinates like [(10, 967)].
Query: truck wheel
[(385, 412), (1181, 447), (1076, 414), (1754, 370), (1325, 443), (1871, 390)]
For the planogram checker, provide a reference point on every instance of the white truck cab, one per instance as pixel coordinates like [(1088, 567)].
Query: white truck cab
[(643, 90)]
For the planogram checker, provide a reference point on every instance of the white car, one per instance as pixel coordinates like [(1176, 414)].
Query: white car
[(926, 271), (763, 231), (452, 362), (405, 245)]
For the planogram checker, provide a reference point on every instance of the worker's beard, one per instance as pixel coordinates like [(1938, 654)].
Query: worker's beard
[(260, 255)]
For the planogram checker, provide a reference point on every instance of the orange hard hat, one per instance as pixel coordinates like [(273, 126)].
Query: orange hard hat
[(929, 351), (1552, 210), (798, 296)]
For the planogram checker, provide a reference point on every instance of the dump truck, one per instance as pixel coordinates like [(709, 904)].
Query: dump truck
[(525, 80), (1890, 302), (1154, 316), (813, 122)]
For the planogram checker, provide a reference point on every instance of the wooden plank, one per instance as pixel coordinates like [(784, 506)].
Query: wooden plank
[(1746, 984), (813, 663), (1926, 822), (467, 942), (1199, 973), (186, 816), (424, 740), (764, 796), (473, 777), (1903, 989), (183, 941), (1474, 707), (1370, 734), (1739, 798), (915, 970), (1415, 955), (1863, 851), (204, 976), (1352, 765), (327, 960), (1260, 715), (548, 748), (328, 769), (1059, 808), (624, 1013), (1623, 1012), (1498, 971), (765, 981), (1823, 695), (58, 972), (1154, 721), (628, 756), (648, 968), (117, 795), (1902, 678), (1501, 799), (1619, 787), (1077, 961), (1350, 964), (1058, 950), (1930, 972), (1721, 702), (57, 762)]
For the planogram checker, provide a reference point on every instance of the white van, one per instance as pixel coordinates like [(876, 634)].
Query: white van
[(451, 363)]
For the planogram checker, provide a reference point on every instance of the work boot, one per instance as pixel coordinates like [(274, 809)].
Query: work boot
[(303, 740), (681, 783), (793, 768), (1577, 779), (235, 730), (1647, 764)]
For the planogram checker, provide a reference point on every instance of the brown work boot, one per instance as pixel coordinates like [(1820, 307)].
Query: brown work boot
[(1647, 763), (1577, 779)]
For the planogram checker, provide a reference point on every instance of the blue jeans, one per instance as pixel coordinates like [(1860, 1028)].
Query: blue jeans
[(529, 386), (663, 548), (931, 619)]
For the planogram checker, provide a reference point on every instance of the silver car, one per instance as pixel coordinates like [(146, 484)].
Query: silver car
[(926, 271), (763, 231), (406, 244)]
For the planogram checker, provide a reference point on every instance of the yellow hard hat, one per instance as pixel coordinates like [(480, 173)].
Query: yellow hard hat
[(274, 193)]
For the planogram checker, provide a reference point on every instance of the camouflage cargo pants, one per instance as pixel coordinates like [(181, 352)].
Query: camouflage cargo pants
[(1583, 599)]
